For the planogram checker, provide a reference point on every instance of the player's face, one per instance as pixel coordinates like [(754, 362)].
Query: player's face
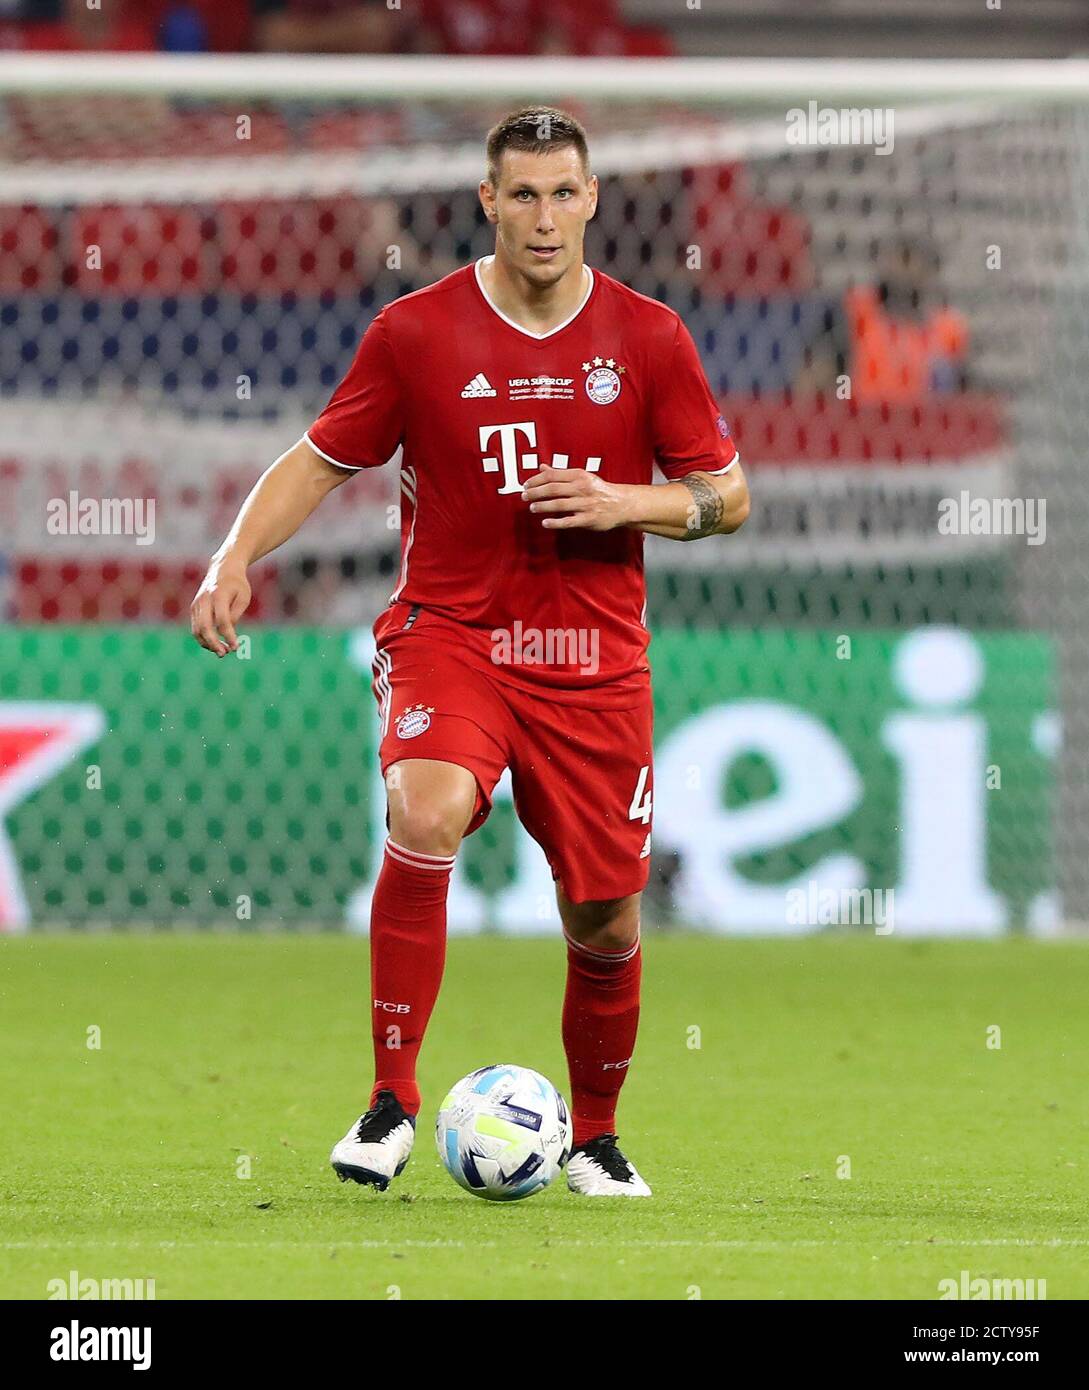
[(541, 207)]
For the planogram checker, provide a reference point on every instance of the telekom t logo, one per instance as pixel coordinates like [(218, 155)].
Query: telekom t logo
[(38, 739), (510, 460)]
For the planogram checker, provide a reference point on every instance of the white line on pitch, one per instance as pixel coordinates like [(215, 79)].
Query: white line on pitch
[(553, 1242)]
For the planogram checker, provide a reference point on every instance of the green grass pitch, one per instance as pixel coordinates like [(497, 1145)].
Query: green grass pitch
[(122, 1161)]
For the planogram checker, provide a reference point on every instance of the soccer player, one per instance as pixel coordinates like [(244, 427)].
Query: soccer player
[(531, 397)]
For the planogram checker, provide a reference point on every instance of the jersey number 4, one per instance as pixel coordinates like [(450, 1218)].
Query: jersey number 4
[(642, 803)]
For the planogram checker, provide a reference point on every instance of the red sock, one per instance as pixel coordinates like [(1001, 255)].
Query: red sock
[(600, 1020), (408, 952)]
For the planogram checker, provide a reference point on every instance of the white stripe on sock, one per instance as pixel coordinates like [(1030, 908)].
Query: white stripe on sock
[(604, 955)]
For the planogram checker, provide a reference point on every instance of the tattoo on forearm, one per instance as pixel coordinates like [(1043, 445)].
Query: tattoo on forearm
[(705, 512)]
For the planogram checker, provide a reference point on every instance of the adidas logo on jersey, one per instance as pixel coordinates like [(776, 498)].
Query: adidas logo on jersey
[(479, 386)]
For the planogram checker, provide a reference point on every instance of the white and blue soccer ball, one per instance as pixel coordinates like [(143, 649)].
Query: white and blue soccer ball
[(503, 1132)]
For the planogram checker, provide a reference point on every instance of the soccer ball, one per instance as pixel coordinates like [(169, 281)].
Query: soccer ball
[(503, 1132)]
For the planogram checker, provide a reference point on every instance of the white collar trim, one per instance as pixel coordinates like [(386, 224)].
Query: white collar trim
[(559, 327)]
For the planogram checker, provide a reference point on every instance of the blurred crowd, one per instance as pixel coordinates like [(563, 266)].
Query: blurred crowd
[(477, 27)]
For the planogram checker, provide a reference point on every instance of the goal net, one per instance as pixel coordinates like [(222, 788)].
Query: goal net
[(886, 270)]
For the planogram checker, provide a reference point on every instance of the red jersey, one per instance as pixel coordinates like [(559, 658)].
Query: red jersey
[(478, 402)]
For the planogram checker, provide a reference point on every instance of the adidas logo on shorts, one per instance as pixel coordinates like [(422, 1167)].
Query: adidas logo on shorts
[(479, 386)]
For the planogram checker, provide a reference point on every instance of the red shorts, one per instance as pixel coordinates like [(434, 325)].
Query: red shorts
[(582, 778)]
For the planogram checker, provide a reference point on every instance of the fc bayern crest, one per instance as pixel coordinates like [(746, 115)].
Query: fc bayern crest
[(414, 721), (603, 381)]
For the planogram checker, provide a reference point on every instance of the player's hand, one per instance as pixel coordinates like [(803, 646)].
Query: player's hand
[(224, 595), (566, 498)]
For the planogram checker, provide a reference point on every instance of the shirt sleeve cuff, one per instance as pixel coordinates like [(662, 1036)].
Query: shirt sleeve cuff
[(711, 472), (350, 467), (718, 472)]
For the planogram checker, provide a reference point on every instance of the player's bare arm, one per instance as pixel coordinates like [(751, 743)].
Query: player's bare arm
[(281, 500), (702, 504)]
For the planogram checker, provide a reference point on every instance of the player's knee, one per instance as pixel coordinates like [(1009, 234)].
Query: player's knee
[(430, 805), (609, 925), (429, 827)]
